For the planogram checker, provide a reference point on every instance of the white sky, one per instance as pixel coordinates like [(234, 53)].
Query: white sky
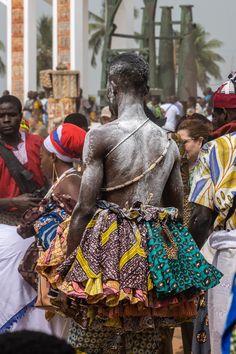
[(216, 16)]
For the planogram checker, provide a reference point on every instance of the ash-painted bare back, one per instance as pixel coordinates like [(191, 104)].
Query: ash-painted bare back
[(133, 157), (162, 186)]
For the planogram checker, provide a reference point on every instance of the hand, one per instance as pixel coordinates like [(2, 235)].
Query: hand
[(25, 201)]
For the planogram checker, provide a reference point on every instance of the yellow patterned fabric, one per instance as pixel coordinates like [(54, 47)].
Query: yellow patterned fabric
[(55, 255), (214, 181)]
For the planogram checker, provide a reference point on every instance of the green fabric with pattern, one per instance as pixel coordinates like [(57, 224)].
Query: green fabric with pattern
[(187, 272)]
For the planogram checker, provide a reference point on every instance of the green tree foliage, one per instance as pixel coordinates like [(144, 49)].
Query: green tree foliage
[(207, 58), (97, 31), (2, 65), (44, 44)]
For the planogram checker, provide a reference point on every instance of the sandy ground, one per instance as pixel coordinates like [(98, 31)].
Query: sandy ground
[(177, 342)]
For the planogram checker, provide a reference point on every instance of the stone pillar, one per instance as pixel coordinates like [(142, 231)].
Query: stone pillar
[(30, 46), (150, 8), (21, 56), (9, 45), (166, 54), (187, 76), (17, 53), (54, 35), (124, 20), (79, 40), (63, 32)]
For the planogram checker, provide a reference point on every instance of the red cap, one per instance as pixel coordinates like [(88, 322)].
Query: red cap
[(225, 96)]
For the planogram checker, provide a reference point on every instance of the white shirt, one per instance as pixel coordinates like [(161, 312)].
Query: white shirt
[(21, 153), (210, 118), (180, 107), (171, 114)]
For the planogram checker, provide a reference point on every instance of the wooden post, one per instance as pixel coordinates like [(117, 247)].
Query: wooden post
[(150, 10), (166, 54), (187, 76), (111, 9)]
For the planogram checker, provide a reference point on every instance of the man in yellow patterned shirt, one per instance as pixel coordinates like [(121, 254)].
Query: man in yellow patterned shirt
[(214, 185), (214, 195)]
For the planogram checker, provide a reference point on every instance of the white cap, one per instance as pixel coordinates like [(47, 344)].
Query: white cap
[(106, 112)]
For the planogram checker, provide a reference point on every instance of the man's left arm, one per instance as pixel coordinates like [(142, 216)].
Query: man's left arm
[(173, 191), (200, 224)]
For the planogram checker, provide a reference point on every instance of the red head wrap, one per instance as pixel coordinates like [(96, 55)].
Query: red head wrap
[(66, 142), (225, 96)]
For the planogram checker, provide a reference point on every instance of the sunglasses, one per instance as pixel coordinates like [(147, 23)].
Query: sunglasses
[(185, 141)]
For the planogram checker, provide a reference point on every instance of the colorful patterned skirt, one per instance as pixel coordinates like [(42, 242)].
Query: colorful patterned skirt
[(131, 263)]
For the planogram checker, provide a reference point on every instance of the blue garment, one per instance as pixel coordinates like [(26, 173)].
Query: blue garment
[(46, 225)]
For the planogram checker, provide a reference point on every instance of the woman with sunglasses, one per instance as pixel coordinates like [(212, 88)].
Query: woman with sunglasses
[(192, 132)]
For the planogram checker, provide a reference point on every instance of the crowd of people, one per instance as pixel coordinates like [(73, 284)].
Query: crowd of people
[(113, 234)]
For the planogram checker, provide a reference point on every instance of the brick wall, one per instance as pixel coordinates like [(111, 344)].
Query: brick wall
[(18, 48), (63, 14)]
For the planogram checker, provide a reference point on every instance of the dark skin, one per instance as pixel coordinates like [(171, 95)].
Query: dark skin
[(200, 224), (219, 119), (70, 185), (10, 119), (161, 187), (224, 117)]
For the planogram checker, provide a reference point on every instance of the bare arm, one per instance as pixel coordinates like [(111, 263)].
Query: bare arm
[(173, 191), (70, 186), (200, 224), (89, 191), (22, 202)]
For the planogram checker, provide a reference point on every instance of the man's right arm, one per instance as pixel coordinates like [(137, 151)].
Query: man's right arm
[(91, 184), (22, 202)]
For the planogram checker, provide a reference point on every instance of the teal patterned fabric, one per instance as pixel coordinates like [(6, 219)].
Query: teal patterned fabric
[(175, 262)]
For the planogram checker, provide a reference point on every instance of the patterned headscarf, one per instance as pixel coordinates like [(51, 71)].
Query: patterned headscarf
[(66, 142)]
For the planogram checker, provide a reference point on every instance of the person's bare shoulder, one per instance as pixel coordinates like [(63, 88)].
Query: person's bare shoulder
[(174, 149), (70, 186), (163, 137), (97, 143)]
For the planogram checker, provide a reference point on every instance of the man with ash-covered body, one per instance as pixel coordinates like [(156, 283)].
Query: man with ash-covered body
[(115, 154), (126, 88)]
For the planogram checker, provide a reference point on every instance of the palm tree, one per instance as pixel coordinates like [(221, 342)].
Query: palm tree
[(207, 58), (44, 44), (2, 65), (97, 31)]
